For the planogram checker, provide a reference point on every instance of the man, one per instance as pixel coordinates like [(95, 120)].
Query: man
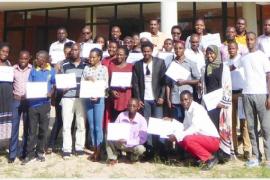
[(39, 109), (20, 105), (256, 98), (148, 86), (230, 36), (56, 49), (263, 42), (176, 32), (199, 135), (194, 53), (86, 40), (129, 43), (116, 35), (158, 37), (71, 103), (138, 130), (241, 31)]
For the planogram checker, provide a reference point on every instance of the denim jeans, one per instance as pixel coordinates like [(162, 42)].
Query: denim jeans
[(95, 112), (178, 112), (20, 108)]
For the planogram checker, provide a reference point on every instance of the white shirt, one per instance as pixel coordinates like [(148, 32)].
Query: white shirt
[(263, 44), (237, 75), (57, 51), (148, 91), (201, 47), (196, 121), (255, 65), (197, 57)]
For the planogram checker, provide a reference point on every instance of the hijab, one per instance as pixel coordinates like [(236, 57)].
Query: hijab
[(211, 66)]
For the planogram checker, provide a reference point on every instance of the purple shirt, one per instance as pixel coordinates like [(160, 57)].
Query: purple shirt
[(242, 50), (138, 134), (20, 79)]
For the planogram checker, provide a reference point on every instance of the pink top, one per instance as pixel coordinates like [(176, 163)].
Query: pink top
[(242, 50), (20, 79)]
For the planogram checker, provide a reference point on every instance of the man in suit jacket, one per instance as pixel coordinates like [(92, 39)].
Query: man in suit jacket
[(149, 87)]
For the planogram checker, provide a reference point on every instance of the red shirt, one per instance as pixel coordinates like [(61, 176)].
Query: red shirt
[(120, 103), (107, 61)]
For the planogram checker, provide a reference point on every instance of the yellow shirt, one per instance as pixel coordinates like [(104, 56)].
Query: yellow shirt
[(241, 39)]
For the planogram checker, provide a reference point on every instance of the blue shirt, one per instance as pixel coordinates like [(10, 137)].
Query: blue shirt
[(39, 75)]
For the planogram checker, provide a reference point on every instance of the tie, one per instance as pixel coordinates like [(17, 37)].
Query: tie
[(147, 70)]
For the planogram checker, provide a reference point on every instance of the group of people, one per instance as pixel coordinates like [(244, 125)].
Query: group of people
[(240, 68)]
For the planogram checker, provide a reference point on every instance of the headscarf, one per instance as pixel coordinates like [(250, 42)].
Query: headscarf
[(211, 66)]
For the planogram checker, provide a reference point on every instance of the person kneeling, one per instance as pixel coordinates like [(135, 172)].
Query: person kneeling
[(138, 134), (199, 136)]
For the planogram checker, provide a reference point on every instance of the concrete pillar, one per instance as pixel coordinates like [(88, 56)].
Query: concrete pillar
[(249, 13), (168, 10)]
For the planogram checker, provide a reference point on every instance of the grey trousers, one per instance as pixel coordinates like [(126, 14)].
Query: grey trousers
[(135, 151), (254, 105)]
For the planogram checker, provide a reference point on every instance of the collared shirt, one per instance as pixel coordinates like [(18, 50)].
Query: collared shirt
[(255, 65), (196, 121), (263, 44), (237, 75), (57, 51), (242, 50), (241, 39), (196, 57), (138, 130), (20, 79), (148, 91), (98, 73), (158, 40), (175, 89), (71, 67), (42, 75)]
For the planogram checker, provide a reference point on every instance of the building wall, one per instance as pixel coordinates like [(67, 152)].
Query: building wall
[(1, 25)]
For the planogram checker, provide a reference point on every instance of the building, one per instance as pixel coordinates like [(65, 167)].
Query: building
[(33, 25)]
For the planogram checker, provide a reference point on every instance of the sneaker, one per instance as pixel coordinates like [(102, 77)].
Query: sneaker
[(40, 157), (252, 163), (209, 164), (27, 160), (11, 160), (79, 153), (66, 155), (246, 155)]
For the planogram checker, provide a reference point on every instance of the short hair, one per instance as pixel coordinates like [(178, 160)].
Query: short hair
[(168, 39), (105, 41), (154, 19), (125, 49), (194, 35), (176, 27), (200, 19), (68, 44), (147, 44), (186, 92), (115, 26), (98, 51), (233, 42), (251, 32), (241, 18), (24, 52), (114, 41), (179, 42), (62, 28), (5, 44), (134, 99), (43, 52)]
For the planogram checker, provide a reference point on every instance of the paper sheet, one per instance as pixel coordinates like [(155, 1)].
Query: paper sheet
[(87, 47), (92, 89), (6, 73), (64, 81), (134, 57), (36, 90), (121, 79), (117, 131), (212, 99), (176, 72)]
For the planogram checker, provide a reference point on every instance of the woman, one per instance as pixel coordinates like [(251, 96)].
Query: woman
[(6, 97), (95, 106), (120, 95), (136, 45), (216, 75), (102, 40), (112, 53)]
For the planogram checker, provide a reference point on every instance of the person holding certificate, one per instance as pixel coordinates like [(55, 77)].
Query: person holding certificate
[(120, 95), (6, 96), (39, 108), (174, 88), (138, 134), (199, 137), (94, 105), (216, 76)]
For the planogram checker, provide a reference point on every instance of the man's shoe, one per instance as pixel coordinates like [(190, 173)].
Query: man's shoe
[(79, 153), (66, 155), (40, 157), (11, 160), (27, 160), (246, 155), (112, 162), (209, 164), (252, 163)]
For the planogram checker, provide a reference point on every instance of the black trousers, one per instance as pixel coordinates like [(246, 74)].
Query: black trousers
[(38, 127)]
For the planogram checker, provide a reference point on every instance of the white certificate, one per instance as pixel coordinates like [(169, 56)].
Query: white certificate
[(36, 90), (87, 47), (160, 127), (176, 72), (211, 39), (134, 57), (121, 79), (146, 35), (117, 131), (64, 81), (212, 99), (6, 73), (92, 89), (165, 56), (241, 112)]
